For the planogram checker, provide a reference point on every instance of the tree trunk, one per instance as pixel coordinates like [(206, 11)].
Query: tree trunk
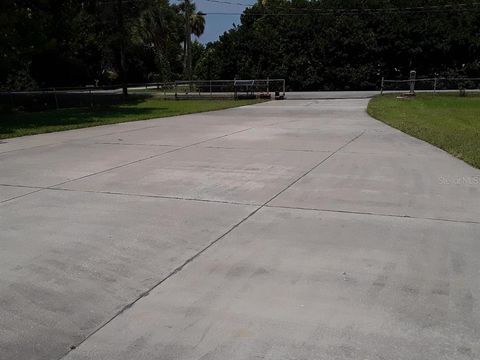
[(188, 43), (123, 70), (190, 57)]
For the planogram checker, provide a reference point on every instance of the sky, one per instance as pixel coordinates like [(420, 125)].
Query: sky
[(217, 24)]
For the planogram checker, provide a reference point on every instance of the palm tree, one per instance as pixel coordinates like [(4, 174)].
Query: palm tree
[(194, 24), (197, 23)]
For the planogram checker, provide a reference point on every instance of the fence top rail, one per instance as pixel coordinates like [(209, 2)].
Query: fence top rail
[(244, 82), (231, 81), (431, 79), (63, 89), (118, 87)]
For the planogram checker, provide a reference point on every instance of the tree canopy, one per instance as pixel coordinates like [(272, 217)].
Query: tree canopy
[(347, 44), (313, 44), (80, 42)]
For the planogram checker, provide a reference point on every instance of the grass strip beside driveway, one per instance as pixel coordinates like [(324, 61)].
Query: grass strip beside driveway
[(447, 121)]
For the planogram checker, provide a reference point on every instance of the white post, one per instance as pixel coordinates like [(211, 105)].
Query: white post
[(413, 75)]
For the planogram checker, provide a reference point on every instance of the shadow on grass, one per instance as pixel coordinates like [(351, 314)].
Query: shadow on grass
[(46, 101), (137, 108)]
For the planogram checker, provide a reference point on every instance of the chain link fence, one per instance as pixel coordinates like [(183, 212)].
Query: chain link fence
[(71, 97), (61, 98), (230, 89), (437, 84)]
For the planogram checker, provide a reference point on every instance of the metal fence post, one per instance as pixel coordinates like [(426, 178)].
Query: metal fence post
[(413, 75), (56, 99), (176, 89), (381, 86), (435, 86), (91, 98), (211, 88)]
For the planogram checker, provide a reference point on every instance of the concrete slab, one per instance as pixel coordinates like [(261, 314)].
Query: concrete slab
[(69, 261), (31, 142), (294, 284), (246, 116), (390, 184), (169, 134), (278, 138), (53, 164), (236, 175), (383, 140)]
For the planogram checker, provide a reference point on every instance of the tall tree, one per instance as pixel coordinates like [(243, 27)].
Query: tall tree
[(194, 24), (159, 29), (78, 42)]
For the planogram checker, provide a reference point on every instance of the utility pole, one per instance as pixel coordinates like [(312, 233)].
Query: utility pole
[(121, 29)]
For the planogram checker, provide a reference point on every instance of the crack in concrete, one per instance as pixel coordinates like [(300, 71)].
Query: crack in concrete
[(154, 196), (24, 186), (20, 196), (27, 148)]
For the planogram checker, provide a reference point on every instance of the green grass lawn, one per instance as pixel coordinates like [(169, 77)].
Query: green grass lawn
[(447, 121), (29, 123)]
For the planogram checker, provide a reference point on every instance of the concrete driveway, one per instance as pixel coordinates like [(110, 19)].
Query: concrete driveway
[(285, 230)]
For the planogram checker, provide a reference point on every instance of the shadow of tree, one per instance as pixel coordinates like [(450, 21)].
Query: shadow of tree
[(73, 118)]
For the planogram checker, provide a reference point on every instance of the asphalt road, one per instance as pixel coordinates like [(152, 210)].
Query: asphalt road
[(285, 230)]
